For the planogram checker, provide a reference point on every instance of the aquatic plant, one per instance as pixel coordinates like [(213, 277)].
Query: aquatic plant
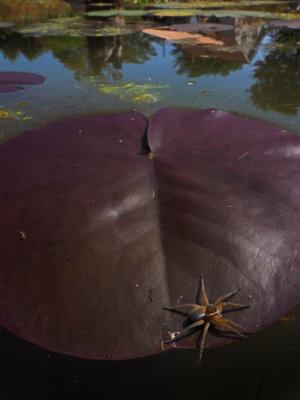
[(23, 12), (106, 218), (11, 81), (130, 91)]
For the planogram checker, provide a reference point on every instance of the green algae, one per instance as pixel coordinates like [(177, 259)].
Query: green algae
[(136, 93), (10, 114)]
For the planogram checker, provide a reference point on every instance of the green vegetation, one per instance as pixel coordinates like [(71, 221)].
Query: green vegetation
[(72, 27), (6, 113), (22, 12), (130, 91)]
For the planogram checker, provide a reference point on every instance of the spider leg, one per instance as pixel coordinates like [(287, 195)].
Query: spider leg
[(232, 304), (227, 295), (224, 323), (203, 340), (227, 321), (185, 331), (182, 308), (202, 291)]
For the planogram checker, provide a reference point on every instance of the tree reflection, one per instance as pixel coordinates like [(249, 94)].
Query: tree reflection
[(106, 55), (103, 57), (12, 45), (277, 76), (196, 67)]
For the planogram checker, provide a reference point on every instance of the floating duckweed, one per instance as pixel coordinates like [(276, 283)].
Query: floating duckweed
[(5, 114), (147, 98), (130, 91)]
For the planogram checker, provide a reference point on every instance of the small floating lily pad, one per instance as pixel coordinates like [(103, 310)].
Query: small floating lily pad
[(10, 80), (22, 78), (291, 23), (174, 13), (245, 13), (73, 27), (198, 27), (111, 13), (9, 88), (212, 4)]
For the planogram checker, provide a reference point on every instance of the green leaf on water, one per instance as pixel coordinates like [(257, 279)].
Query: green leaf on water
[(73, 27), (111, 13)]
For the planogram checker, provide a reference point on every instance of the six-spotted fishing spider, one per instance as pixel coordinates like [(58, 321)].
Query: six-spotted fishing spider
[(198, 315)]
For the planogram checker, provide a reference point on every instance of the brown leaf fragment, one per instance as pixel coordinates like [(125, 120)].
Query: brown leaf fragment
[(23, 235)]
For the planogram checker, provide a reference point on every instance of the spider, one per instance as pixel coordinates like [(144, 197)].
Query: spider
[(208, 314)]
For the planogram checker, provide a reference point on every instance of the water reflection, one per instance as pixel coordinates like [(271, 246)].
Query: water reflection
[(186, 62), (255, 72), (276, 84)]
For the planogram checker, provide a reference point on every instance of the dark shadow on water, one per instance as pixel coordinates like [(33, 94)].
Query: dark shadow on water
[(266, 366)]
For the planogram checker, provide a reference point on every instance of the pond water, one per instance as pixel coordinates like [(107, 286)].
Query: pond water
[(109, 64), (88, 69)]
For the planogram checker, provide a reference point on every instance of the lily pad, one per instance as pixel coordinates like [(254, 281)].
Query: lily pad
[(291, 24), (9, 88), (213, 4), (22, 78), (73, 27), (9, 80), (205, 27), (111, 13), (97, 236), (175, 13), (246, 13)]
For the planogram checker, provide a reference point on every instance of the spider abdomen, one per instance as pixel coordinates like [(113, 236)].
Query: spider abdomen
[(196, 314)]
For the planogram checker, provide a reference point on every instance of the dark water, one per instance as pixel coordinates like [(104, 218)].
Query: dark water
[(257, 74)]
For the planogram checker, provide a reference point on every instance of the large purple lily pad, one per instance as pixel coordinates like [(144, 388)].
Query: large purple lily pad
[(9, 80), (97, 236)]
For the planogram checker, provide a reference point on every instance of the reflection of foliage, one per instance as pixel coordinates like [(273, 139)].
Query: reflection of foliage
[(71, 51), (286, 36), (14, 44), (106, 55), (277, 84), (202, 66), (136, 93), (86, 56)]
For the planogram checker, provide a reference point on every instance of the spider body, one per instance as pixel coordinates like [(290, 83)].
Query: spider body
[(208, 314)]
